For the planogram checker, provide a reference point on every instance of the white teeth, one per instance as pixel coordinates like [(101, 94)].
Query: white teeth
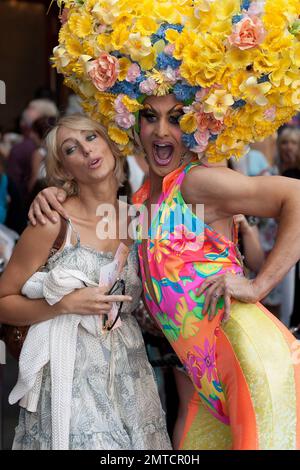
[(163, 145)]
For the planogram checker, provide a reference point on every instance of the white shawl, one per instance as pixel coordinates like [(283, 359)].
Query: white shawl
[(53, 340)]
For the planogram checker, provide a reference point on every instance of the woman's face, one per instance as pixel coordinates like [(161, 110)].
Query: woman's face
[(86, 156), (289, 148), (160, 133)]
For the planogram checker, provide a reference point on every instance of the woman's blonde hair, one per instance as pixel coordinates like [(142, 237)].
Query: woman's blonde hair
[(56, 174)]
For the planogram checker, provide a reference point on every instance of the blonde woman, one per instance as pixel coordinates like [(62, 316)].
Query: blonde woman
[(113, 401)]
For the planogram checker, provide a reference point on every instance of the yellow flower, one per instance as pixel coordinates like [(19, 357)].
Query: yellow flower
[(124, 65), (253, 91), (84, 26), (88, 48), (124, 20), (104, 43), (61, 59), (73, 46), (118, 136), (146, 26), (72, 20), (239, 59), (296, 93), (236, 80), (188, 123), (172, 35), (131, 104), (296, 55), (265, 62), (138, 46), (106, 103), (231, 145), (148, 62), (89, 4), (218, 103), (119, 37), (63, 32), (106, 11), (167, 10), (203, 60)]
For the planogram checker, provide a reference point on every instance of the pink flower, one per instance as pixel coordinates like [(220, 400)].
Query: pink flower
[(206, 360), (182, 239), (133, 73), (104, 71), (193, 369), (201, 138), (119, 105), (207, 121), (64, 15), (171, 75), (201, 94), (125, 120), (101, 28), (169, 49), (270, 113), (148, 86), (248, 33)]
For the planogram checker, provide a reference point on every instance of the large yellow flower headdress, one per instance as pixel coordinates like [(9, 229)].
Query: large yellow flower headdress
[(234, 63)]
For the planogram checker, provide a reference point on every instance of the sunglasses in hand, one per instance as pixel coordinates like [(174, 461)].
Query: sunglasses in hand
[(117, 288)]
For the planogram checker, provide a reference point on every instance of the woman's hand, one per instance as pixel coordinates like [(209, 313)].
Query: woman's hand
[(226, 285), (44, 205), (244, 225), (89, 301)]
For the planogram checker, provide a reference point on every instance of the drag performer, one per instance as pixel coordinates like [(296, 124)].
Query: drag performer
[(190, 84)]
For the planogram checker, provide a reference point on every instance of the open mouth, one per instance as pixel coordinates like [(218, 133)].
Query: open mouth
[(95, 163), (163, 152)]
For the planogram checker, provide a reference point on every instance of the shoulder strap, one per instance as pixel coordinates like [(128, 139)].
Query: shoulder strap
[(61, 236)]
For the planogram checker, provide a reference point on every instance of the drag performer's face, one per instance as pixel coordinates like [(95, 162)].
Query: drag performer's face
[(86, 156), (160, 133)]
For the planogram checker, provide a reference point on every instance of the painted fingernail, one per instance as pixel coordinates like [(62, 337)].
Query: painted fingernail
[(55, 220)]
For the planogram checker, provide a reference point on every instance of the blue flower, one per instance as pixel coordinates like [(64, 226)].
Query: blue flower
[(246, 4), (213, 137), (161, 32), (189, 140), (238, 104), (263, 79), (184, 92), (236, 19), (164, 61), (126, 88)]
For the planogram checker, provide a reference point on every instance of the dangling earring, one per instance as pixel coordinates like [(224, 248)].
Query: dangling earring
[(182, 158)]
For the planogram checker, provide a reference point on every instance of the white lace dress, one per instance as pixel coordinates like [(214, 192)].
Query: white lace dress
[(115, 402)]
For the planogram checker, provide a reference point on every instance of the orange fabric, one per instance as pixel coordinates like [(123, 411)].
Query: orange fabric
[(193, 408)]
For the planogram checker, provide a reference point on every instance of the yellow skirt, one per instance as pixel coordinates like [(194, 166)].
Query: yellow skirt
[(258, 362)]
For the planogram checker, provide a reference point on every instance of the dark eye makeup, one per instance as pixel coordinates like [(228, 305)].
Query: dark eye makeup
[(69, 150)]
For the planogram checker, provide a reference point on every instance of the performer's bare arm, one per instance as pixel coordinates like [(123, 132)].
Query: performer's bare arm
[(225, 193)]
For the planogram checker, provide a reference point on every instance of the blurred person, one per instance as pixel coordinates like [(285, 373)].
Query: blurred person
[(288, 150), (252, 164), (289, 159), (37, 180), (20, 157)]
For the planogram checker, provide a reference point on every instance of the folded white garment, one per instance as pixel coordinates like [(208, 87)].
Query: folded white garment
[(55, 341)]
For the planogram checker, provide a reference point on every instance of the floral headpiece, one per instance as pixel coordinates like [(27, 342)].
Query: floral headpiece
[(235, 65)]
